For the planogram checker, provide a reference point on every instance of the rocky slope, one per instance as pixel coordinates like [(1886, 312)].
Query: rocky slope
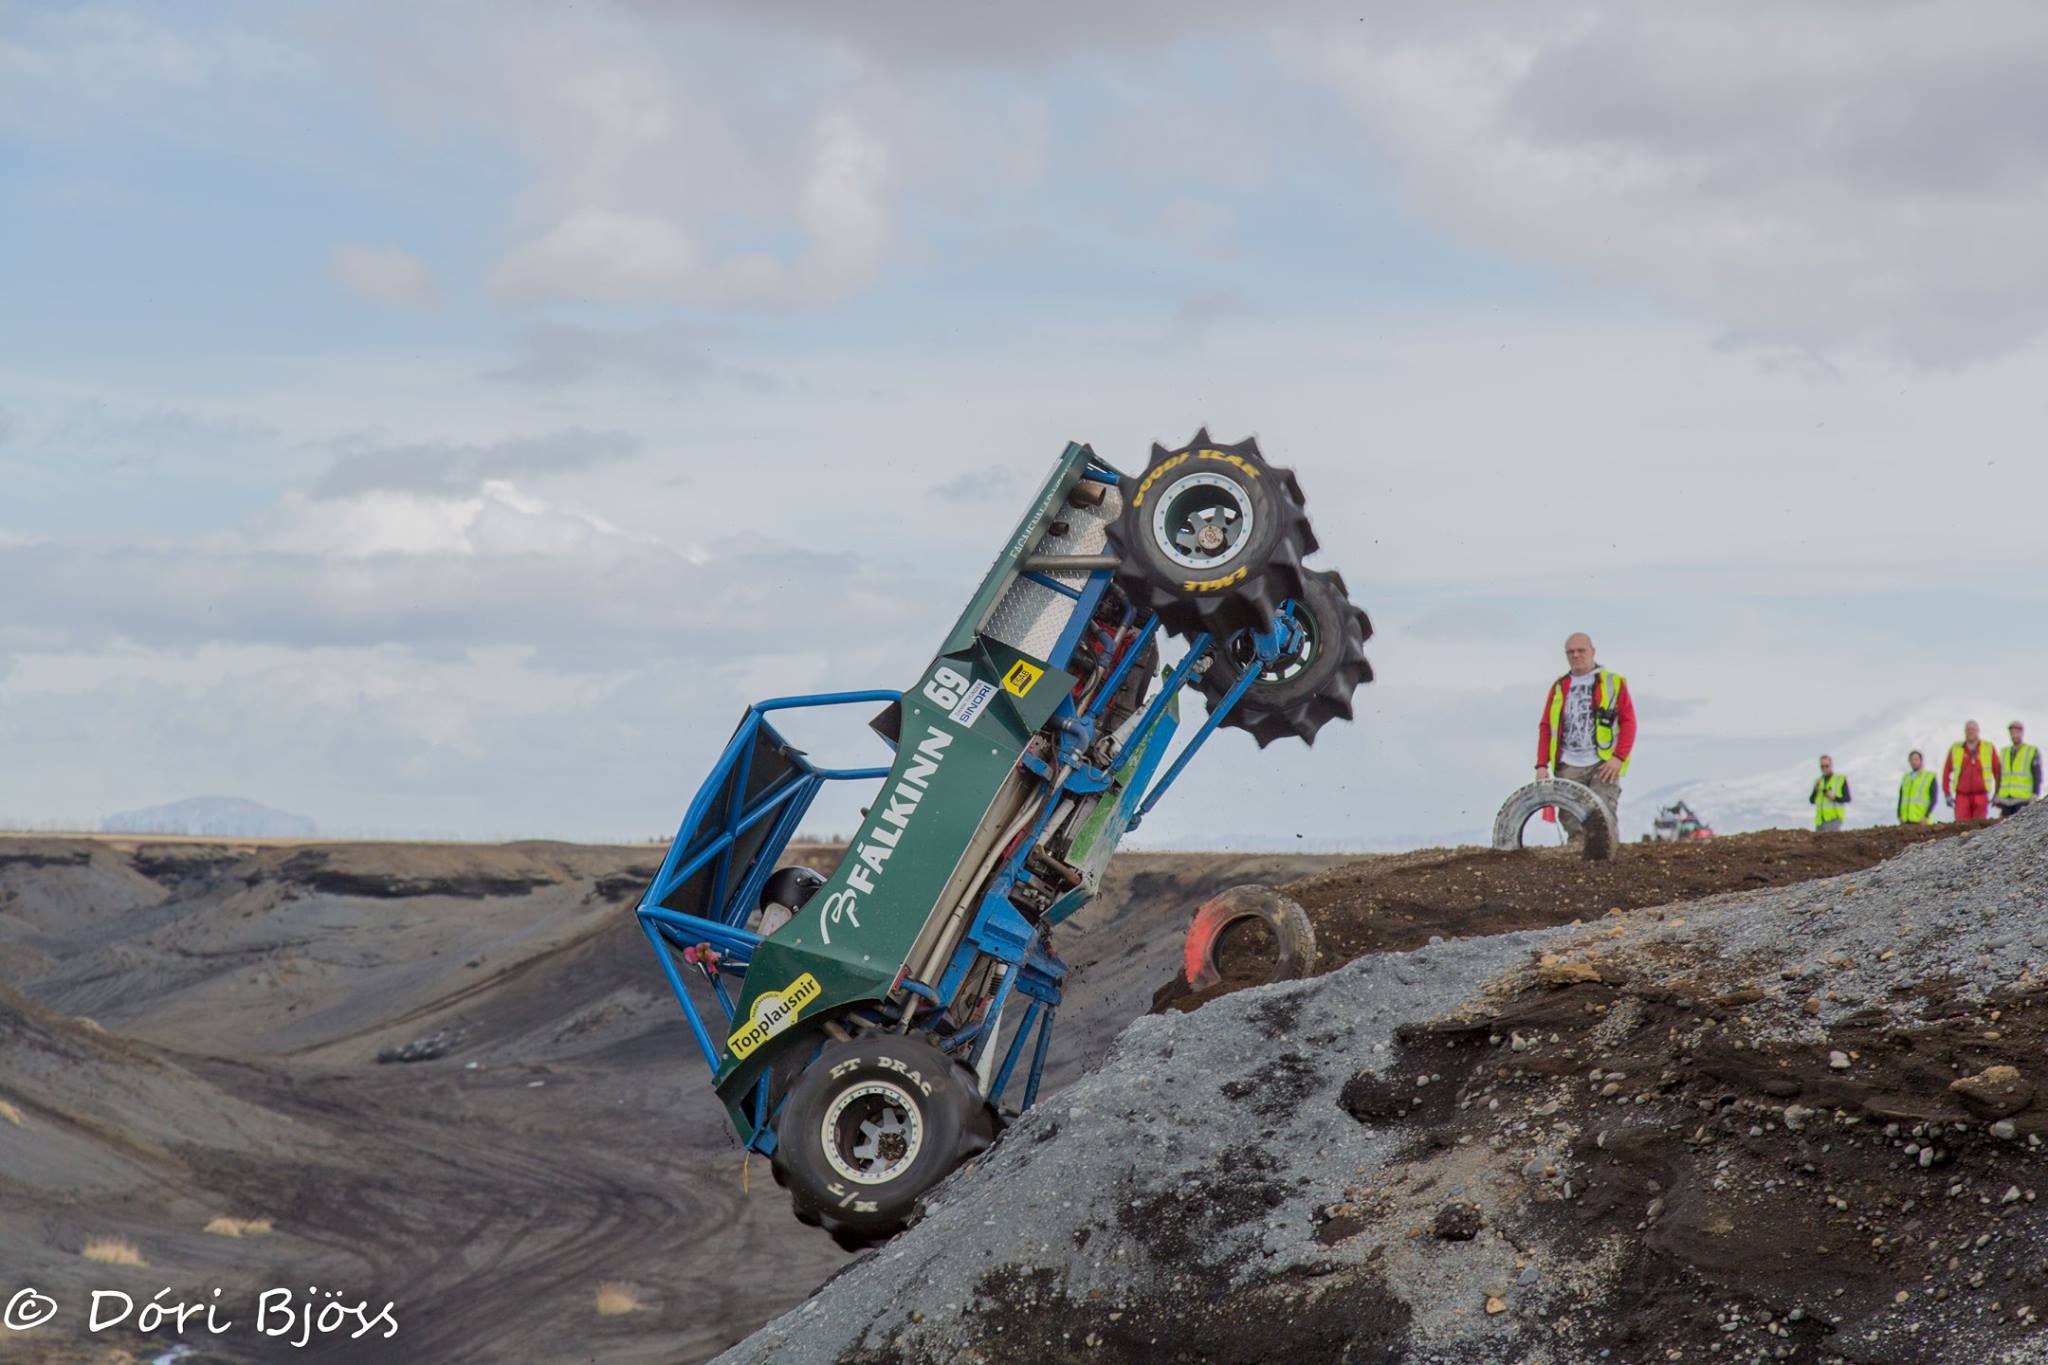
[(1795, 1124)]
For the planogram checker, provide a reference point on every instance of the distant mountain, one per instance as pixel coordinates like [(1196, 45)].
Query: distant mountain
[(229, 816), (1872, 759)]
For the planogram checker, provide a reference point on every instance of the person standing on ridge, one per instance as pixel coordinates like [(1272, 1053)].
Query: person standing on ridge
[(1970, 776), (1916, 792), (2020, 779), (1829, 795), (1588, 727)]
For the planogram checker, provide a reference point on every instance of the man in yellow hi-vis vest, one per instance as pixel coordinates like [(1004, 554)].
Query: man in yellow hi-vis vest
[(1830, 796), (2019, 779), (1587, 729), (1917, 791)]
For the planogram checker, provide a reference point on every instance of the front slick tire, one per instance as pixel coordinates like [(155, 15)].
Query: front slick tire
[(1211, 537), (1300, 693), (869, 1127)]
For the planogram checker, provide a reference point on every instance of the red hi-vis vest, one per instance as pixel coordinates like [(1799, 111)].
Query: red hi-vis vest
[(1607, 688)]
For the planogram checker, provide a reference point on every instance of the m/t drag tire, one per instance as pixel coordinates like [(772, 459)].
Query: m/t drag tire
[(1299, 694), (869, 1127), (1576, 805), (1211, 537)]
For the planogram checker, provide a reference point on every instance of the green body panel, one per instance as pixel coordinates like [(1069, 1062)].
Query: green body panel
[(961, 731), (1096, 841)]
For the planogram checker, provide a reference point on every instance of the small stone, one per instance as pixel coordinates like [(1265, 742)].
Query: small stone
[(1495, 1304), (2011, 1195), (1559, 974), (1458, 1222), (1994, 1092), (1839, 1061), (2004, 1130)]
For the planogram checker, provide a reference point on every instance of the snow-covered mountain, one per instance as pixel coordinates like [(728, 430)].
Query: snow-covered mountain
[(229, 816), (1873, 758)]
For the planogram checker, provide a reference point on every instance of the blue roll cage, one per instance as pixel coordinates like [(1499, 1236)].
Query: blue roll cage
[(999, 930)]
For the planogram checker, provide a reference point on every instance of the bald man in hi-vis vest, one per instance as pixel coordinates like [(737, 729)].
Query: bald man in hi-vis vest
[(1588, 727)]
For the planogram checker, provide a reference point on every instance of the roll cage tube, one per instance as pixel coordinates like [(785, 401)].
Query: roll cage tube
[(718, 831)]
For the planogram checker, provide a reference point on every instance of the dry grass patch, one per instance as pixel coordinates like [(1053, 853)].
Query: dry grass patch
[(238, 1227), (112, 1251), (11, 1114), (615, 1297)]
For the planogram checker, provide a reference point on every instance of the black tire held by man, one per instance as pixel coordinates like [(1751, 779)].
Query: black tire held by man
[(1211, 537), (1575, 804), (902, 1114), (1298, 694)]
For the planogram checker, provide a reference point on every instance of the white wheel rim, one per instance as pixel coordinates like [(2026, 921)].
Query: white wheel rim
[(872, 1133), (1237, 528)]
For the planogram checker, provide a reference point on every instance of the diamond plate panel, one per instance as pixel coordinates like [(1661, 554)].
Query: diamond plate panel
[(1031, 616)]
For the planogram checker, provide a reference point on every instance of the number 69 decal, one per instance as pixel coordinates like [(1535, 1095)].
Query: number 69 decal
[(945, 687)]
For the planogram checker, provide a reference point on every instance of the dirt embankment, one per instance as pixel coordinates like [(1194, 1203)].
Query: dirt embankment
[(1401, 901)]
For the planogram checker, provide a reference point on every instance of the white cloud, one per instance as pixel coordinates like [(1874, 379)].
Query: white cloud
[(1793, 172), (496, 520), (65, 68), (385, 274), (618, 256), (604, 255), (366, 465)]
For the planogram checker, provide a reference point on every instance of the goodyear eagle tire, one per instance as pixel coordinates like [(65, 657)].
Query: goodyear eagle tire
[(869, 1127), (1576, 805), (1297, 694), (1211, 537)]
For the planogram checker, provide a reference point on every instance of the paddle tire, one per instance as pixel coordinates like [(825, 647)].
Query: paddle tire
[(1211, 537), (1298, 693), (869, 1127)]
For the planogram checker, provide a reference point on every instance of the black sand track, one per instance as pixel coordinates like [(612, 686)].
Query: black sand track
[(189, 1031)]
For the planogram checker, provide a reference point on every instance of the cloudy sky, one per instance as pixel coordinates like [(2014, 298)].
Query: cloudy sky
[(442, 418)]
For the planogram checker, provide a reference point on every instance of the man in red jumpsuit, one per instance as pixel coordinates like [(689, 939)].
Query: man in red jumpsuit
[(1970, 776)]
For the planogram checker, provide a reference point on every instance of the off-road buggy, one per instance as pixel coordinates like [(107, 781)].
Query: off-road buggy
[(875, 1016), (1675, 822)]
